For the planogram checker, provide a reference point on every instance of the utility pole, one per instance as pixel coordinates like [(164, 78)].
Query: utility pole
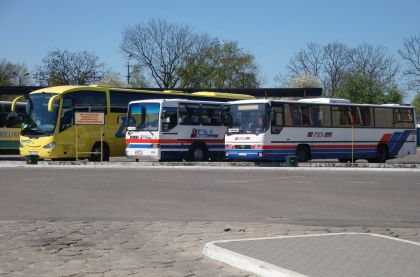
[(128, 69)]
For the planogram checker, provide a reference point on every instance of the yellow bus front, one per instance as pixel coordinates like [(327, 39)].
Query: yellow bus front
[(50, 132)]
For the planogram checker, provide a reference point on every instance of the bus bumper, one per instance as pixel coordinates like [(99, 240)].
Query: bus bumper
[(247, 155), (143, 154), (41, 149)]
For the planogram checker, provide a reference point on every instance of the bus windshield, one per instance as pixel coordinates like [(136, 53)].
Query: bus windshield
[(248, 118), (143, 117), (39, 121)]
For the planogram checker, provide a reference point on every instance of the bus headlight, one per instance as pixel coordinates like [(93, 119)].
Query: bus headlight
[(49, 145)]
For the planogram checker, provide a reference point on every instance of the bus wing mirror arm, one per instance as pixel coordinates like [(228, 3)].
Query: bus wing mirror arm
[(13, 107), (52, 101)]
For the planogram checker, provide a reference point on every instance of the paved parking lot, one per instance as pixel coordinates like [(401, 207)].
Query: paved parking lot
[(92, 247), (137, 248)]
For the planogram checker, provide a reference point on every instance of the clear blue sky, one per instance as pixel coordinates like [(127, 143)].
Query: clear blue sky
[(270, 30)]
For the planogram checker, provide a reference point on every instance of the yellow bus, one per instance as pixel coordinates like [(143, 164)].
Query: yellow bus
[(10, 126), (50, 130)]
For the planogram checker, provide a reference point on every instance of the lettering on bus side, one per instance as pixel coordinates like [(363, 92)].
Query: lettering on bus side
[(203, 133), (319, 135), (8, 134), (242, 138)]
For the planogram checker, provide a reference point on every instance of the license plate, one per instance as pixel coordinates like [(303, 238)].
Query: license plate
[(138, 152), (242, 154), (33, 153)]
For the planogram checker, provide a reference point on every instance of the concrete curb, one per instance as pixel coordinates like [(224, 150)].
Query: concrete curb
[(386, 167), (246, 263), (262, 268), (216, 165)]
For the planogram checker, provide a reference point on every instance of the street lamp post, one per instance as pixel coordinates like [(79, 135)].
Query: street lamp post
[(19, 76), (128, 69)]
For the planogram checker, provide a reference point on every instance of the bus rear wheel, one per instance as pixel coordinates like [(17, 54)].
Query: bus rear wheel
[(303, 154), (198, 153), (382, 154), (96, 153)]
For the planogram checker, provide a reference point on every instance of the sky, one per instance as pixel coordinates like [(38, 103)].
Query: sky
[(273, 31)]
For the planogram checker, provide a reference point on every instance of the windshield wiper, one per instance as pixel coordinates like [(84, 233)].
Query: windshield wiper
[(34, 130)]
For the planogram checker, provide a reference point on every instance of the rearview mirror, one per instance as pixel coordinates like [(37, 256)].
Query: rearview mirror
[(52, 101), (13, 107)]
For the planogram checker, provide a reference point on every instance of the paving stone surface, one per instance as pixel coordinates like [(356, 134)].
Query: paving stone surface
[(137, 248)]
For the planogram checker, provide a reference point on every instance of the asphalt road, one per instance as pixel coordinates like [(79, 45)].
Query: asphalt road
[(307, 197)]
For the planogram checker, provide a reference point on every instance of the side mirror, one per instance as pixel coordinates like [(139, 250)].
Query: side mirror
[(13, 107), (52, 101)]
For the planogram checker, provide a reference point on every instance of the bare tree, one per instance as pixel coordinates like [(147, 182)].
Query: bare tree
[(112, 79), (337, 59), (13, 74), (307, 61), (411, 55), (6, 73), (164, 49), (304, 81), (373, 63), (332, 62), (70, 68)]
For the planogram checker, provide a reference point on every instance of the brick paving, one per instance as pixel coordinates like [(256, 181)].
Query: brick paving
[(137, 248)]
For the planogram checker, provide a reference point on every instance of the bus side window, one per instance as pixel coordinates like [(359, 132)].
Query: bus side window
[(12, 119), (67, 114), (194, 114), (169, 119), (403, 118), (90, 101), (225, 115), (304, 111), (383, 117), (315, 116), (362, 116), (341, 116), (183, 115), (276, 118), (210, 115)]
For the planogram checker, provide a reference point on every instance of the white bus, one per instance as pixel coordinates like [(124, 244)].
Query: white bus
[(176, 129), (319, 128)]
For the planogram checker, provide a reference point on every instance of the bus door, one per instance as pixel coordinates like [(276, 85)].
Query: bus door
[(66, 133)]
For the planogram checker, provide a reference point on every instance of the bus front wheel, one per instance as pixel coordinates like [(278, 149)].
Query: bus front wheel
[(96, 153)]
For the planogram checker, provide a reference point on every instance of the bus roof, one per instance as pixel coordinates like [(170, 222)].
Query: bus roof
[(208, 94), (223, 94), (178, 100), (326, 101)]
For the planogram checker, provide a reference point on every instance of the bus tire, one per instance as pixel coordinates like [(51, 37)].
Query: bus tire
[(344, 160), (96, 153), (303, 153), (198, 152), (382, 153)]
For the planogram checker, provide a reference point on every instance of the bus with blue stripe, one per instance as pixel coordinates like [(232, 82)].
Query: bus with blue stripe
[(176, 129), (52, 131), (319, 128)]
